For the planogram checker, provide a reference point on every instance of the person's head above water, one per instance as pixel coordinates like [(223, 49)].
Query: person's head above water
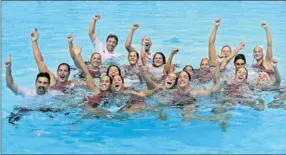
[(117, 83), (113, 70), (105, 83), (63, 72), (159, 59), (225, 51), (189, 69), (239, 61), (111, 42), (183, 80), (42, 83), (204, 65), (241, 74), (170, 81), (258, 53), (133, 57), (95, 59), (262, 78)]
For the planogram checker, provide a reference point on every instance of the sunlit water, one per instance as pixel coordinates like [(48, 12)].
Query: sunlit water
[(186, 25)]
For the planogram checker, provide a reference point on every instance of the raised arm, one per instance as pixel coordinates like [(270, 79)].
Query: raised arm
[(277, 80), (9, 79), (91, 31), (38, 56), (128, 42), (143, 54), (216, 73), (70, 42), (269, 54), (167, 67), (233, 54), (212, 52), (89, 80)]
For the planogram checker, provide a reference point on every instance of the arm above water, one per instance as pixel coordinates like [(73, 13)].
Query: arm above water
[(128, 42), (212, 52)]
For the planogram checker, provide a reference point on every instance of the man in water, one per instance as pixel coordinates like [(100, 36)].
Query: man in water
[(42, 83)]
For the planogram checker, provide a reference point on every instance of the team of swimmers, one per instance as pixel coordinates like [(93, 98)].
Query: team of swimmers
[(166, 85)]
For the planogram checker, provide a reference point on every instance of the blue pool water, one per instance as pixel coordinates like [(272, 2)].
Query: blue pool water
[(186, 25)]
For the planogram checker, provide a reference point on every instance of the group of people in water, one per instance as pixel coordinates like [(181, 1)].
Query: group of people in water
[(120, 87)]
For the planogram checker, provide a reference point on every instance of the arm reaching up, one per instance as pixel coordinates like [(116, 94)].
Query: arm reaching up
[(91, 31), (9, 79), (234, 53), (38, 56), (212, 52), (167, 67), (70, 42), (269, 54), (128, 42), (89, 80)]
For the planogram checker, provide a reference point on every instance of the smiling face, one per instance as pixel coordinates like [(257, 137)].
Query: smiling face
[(133, 58), (111, 43), (95, 59), (262, 78), (113, 71), (225, 51), (63, 73), (183, 80), (42, 85), (105, 83), (117, 83), (170, 81), (204, 64), (158, 60), (258, 53), (241, 75)]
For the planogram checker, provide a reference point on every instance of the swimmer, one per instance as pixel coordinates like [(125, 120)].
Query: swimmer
[(94, 65), (263, 81), (42, 83), (61, 83), (264, 63), (132, 71), (147, 43), (106, 50)]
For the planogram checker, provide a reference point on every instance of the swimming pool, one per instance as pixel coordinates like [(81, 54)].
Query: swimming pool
[(186, 25)]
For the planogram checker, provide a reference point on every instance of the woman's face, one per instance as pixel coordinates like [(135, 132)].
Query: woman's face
[(117, 83), (170, 80), (239, 63), (183, 80), (241, 75), (262, 78), (95, 60), (258, 53), (105, 83), (158, 60), (113, 71)]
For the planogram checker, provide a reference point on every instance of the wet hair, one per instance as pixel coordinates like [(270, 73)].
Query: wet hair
[(69, 68), (94, 54), (107, 71), (226, 46), (245, 69), (137, 54), (121, 79), (239, 56), (176, 81), (44, 74), (163, 57), (112, 36), (188, 66), (189, 75), (110, 79)]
